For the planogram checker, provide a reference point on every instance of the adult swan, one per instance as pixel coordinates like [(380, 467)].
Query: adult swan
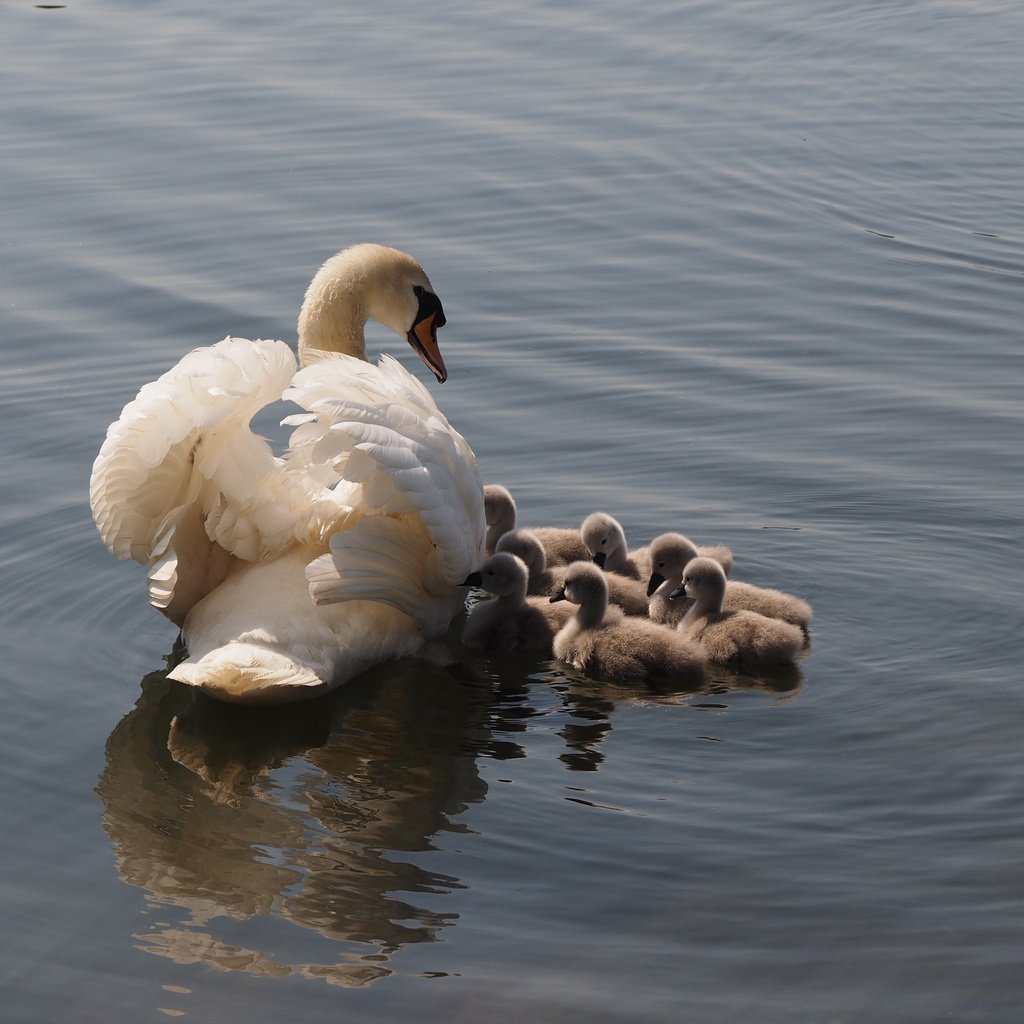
[(289, 575)]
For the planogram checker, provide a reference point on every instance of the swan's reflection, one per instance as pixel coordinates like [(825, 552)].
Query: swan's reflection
[(301, 813), (317, 814)]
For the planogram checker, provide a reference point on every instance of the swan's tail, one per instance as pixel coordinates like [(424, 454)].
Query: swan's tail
[(253, 673)]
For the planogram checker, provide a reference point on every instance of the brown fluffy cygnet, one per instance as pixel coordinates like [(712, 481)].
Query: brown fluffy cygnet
[(743, 638), (671, 553), (628, 594), (599, 640), (561, 545), (510, 621), (606, 541)]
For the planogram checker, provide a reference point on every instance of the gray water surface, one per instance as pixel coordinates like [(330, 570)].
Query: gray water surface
[(749, 271)]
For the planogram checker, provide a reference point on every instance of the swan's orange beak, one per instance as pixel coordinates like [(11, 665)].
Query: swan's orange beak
[(423, 334), (423, 338)]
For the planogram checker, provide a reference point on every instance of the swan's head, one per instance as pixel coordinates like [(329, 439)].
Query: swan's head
[(670, 554), (503, 575), (603, 536), (584, 584), (372, 282), (704, 582)]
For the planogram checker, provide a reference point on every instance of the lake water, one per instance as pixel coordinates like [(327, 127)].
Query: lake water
[(752, 271)]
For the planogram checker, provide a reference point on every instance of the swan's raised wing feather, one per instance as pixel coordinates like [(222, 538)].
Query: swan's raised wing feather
[(394, 456), (181, 483)]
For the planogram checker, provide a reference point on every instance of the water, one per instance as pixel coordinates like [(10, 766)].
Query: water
[(750, 271)]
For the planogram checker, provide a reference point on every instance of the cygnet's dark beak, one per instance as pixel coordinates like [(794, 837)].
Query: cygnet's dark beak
[(474, 579), (423, 333), (656, 581), (680, 591), (558, 595), (599, 559)]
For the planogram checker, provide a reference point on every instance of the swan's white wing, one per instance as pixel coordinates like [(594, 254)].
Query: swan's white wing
[(183, 485), (392, 455)]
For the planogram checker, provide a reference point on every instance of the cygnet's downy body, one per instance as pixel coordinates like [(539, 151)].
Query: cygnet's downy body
[(600, 641), (742, 638), (627, 594), (510, 621), (561, 545)]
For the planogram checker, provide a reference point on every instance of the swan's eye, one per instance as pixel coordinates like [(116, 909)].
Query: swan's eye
[(417, 290)]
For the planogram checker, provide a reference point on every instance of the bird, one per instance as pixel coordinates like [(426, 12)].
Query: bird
[(669, 553), (743, 638), (561, 544), (672, 552), (288, 575), (628, 594), (606, 541), (510, 621), (599, 640), (606, 544)]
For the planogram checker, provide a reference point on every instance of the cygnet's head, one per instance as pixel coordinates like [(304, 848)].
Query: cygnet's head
[(670, 554), (499, 505), (525, 545), (503, 575), (704, 581), (603, 536), (584, 584)]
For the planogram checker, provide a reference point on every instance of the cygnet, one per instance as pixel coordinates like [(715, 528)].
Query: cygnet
[(744, 638), (510, 621), (599, 640), (628, 594), (561, 545), (669, 603), (606, 542)]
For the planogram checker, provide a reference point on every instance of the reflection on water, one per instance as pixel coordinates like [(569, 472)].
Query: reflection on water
[(303, 813)]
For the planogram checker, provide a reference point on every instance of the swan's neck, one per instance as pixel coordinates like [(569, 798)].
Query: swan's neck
[(332, 320)]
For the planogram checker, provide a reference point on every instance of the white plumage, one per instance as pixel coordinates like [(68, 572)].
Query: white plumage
[(290, 574)]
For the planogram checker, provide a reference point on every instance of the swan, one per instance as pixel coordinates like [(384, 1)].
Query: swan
[(745, 638), (672, 552), (289, 575), (606, 541), (561, 545), (628, 594), (600, 640), (511, 621)]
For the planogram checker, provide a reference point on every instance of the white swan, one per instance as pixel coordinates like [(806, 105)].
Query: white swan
[(289, 575)]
